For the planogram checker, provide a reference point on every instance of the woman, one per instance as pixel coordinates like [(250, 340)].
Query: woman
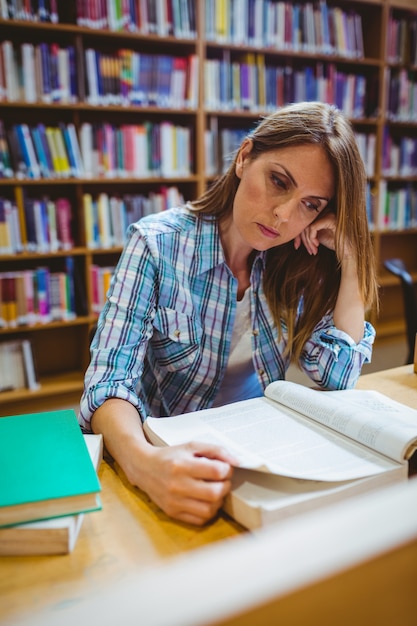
[(212, 301)]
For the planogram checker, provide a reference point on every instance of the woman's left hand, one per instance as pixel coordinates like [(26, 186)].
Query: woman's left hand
[(322, 231)]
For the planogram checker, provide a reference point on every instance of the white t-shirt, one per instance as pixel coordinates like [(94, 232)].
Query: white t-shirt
[(240, 381)]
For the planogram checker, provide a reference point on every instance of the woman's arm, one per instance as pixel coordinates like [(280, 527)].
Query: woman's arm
[(188, 482), (349, 312)]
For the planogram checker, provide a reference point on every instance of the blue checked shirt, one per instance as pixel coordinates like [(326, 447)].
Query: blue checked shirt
[(163, 337)]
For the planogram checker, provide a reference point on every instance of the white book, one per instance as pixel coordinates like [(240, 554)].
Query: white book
[(75, 146), (299, 448), (11, 366), (28, 67), (64, 75), (17, 243), (10, 71), (92, 78), (104, 223), (86, 147), (41, 241), (33, 159), (31, 378), (52, 536)]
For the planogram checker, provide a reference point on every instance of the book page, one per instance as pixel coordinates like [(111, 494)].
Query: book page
[(268, 437), (368, 417)]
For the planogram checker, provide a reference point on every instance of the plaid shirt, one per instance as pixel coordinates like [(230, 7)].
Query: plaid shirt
[(164, 334)]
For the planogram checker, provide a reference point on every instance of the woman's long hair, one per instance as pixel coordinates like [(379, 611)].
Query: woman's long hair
[(293, 274)]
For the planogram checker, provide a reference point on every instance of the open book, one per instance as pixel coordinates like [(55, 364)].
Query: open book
[(299, 448), (51, 536)]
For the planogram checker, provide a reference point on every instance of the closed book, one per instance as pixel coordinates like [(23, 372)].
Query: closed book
[(31, 377), (51, 536), (46, 470)]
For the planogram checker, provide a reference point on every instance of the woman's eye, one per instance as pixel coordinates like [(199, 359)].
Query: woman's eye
[(312, 206), (279, 182)]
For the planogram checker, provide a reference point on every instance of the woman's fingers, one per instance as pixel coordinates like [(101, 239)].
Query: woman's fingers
[(189, 482)]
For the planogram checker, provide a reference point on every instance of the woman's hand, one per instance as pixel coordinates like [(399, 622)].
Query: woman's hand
[(349, 312), (321, 231), (188, 482)]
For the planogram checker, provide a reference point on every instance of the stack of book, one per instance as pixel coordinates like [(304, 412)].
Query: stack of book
[(48, 481)]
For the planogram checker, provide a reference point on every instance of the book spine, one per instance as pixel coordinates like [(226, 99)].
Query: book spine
[(31, 376), (64, 220), (42, 294)]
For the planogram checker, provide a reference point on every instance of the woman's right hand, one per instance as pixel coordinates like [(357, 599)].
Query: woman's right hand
[(188, 482)]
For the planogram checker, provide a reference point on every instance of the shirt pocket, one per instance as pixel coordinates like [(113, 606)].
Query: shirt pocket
[(176, 339)]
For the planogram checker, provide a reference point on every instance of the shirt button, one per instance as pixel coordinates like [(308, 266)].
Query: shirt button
[(177, 332), (261, 372), (255, 332)]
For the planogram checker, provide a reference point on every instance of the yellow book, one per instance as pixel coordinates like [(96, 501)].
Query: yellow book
[(19, 200), (89, 221), (64, 166), (50, 136), (261, 95)]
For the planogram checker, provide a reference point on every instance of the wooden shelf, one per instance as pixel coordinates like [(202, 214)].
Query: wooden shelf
[(63, 389)]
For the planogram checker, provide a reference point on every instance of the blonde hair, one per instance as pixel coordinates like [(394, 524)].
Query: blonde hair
[(291, 274)]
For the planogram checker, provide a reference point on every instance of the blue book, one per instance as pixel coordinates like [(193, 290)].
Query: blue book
[(311, 84), (163, 71), (69, 270), (72, 62), (28, 150), (68, 147), (40, 152), (29, 211), (46, 72), (42, 293), (46, 149)]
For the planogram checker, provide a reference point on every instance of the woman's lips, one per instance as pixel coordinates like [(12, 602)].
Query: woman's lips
[(268, 232)]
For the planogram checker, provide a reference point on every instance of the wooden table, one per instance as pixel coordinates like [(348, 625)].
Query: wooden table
[(131, 533), (399, 383)]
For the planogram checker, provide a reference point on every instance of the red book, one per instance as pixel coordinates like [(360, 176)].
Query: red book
[(64, 218), (8, 299)]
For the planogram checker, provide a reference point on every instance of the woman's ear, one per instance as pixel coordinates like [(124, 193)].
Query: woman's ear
[(244, 151)]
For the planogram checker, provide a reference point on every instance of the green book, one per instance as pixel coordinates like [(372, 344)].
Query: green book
[(45, 468)]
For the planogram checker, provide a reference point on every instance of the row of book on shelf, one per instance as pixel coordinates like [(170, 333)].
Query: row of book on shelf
[(38, 296), (402, 95), (397, 207), (48, 72), (41, 296), (141, 79), (35, 10), (399, 155), (221, 145), (313, 27), (402, 38), (99, 150), (46, 225), (107, 217), (251, 84), (168, 18)]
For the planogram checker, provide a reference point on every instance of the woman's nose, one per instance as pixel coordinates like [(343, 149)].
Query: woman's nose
[(283, 210)]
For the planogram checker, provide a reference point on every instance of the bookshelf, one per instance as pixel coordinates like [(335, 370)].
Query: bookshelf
[(208, 116)]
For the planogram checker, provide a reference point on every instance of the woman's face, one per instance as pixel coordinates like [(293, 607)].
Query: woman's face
[(280, 193)]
